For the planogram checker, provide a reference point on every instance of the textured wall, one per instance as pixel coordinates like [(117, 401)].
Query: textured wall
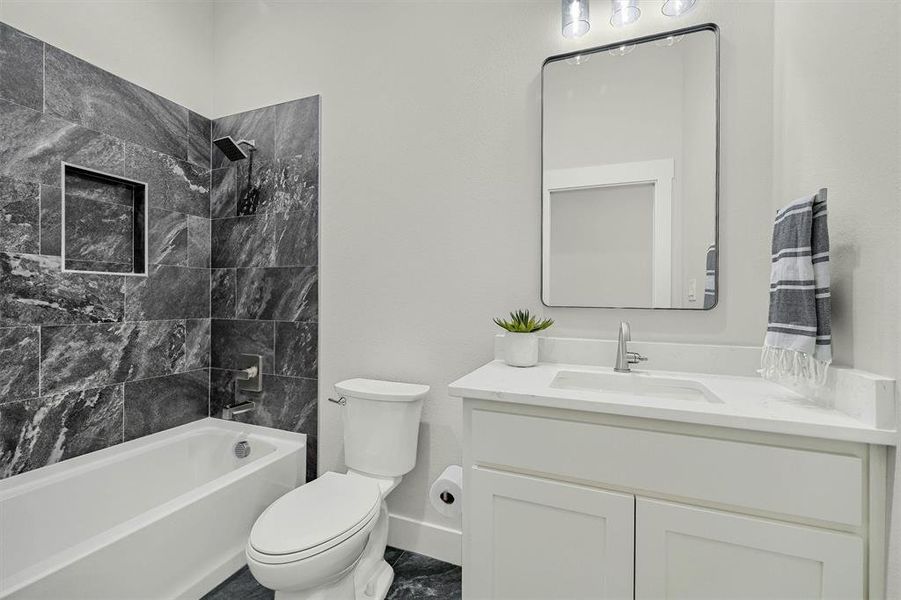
[(265, 255), (87, 361)]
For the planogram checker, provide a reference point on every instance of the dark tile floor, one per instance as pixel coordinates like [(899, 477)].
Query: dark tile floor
[(415, 577)]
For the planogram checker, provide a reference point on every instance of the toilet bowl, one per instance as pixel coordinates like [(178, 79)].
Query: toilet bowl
[(327, 539)]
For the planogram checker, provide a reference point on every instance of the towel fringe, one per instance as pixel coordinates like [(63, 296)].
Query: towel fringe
[(790, 366)]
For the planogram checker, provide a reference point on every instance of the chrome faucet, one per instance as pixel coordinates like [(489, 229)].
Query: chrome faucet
[(624, 358), (229, 412)]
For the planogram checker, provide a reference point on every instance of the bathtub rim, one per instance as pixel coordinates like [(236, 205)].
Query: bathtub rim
[(285, 442)]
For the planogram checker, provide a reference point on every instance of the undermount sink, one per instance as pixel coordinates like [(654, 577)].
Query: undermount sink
[(637, 384)]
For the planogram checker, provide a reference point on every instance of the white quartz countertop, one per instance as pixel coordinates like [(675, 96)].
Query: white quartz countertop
[(748, 403)]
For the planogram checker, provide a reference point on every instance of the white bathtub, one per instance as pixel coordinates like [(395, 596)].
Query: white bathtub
[(164, 516)]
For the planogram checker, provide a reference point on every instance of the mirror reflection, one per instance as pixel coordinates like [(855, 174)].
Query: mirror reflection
[(629, 174)]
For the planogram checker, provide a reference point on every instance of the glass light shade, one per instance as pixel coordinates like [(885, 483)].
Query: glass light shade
[(676, 8), (624, 12), (622, 50), (575, 18)]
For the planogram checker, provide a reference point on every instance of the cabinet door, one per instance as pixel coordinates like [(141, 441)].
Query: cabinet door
[(535, 538), (697, 553)]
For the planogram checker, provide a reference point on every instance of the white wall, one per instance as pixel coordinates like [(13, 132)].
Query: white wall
[(838, 125), (430, 184), (164, 46)]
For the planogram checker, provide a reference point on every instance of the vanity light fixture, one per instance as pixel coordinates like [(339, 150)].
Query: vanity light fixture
[(575, 18), (624, 12), (677, 8)]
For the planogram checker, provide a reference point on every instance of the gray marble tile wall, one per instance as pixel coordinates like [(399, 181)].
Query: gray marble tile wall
[(88, 361), (264, 257)]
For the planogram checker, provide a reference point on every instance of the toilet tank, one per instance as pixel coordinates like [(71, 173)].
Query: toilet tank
[(381, 425)]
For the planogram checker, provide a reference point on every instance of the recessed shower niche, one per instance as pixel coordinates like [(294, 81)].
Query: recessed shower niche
[(104, 222)]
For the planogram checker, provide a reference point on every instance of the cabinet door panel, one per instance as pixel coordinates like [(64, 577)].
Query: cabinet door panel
[(688, 552), (534, 538)]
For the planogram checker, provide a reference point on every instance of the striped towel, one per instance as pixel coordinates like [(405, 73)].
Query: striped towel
[(798, 345), (710, 279)]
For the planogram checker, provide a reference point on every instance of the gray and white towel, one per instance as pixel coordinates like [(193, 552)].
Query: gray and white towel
[(710, 278), (798, 345)]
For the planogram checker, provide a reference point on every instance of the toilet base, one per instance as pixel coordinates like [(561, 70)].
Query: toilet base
[(378, 585)]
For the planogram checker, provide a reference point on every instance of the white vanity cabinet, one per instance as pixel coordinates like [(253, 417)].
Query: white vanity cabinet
[(571, 504)]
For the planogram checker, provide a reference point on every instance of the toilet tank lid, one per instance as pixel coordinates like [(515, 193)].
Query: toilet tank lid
[(386, 391)]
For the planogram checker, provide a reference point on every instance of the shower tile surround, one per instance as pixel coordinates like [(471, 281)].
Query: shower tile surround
[(264, 259), (91, 360)]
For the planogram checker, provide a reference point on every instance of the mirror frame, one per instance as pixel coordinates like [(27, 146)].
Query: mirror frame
[(716, 200)]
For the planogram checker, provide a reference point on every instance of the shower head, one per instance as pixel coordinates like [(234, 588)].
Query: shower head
[(232, 149)]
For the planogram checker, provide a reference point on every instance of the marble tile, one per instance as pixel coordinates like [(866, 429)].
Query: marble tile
[(33, 290), (224, 192), (296, 349), (243, 242), (222, 293), (417, 576), (39, 432), (75, 357), (297, 128), (168, 237), (296, 239), (281, 294), (257, 125), (297, 185), (168, 293), (229, 339), (152, 405), (82, 93), (88, 187), (19, 216), (51, 227), (286, 185), (199, 242), (199, 129), (257, 183), (21, 68), (172, 184), (33, 144), (197, 344), (19, 363), (99, 232), (392, 554), (94, 266), (240, 586), (287, 403)]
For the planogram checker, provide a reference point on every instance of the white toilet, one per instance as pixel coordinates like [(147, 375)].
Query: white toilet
[(327, 539)]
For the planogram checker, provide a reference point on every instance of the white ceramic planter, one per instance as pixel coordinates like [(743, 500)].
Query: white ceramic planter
[(521, 349)]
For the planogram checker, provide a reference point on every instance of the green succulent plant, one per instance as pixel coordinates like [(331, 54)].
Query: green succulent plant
[(522, 321)]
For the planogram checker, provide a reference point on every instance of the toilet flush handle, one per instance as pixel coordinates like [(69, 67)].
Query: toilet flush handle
[(341, 400)]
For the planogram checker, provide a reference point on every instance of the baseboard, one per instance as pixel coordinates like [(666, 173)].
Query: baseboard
[(425, 538)]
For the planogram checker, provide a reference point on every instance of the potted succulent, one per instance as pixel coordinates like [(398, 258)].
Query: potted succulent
[(521, 340)]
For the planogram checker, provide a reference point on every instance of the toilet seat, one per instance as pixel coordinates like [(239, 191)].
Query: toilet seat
[(314, 518)]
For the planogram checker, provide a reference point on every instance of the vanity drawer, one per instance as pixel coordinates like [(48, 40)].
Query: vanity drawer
[(794, 482)]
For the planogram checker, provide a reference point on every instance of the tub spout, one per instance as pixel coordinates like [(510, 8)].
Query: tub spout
[(229, 412)]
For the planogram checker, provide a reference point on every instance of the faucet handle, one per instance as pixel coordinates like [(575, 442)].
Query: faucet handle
[(635, 357)]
